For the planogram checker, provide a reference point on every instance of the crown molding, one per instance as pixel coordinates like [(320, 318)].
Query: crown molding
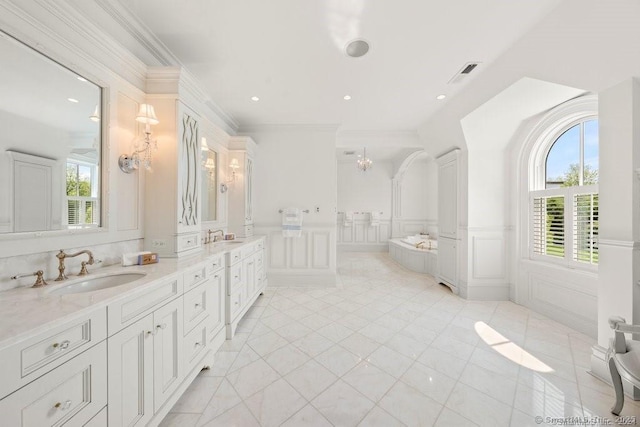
[(69, 38), (139, 31)]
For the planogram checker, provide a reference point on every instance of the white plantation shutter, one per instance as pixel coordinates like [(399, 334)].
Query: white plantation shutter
[(548, 225), (585, 228), (564, 225)]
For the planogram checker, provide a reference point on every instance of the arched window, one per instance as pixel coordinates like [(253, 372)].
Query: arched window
[(564, 202)]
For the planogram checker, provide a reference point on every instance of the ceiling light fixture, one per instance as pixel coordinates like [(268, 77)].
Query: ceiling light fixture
[(357, 48), (364, 163), (441, 97), (347, 97), (255, 99), (75, 101)]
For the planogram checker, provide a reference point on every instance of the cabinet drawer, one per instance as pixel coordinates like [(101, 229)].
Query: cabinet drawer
[(71, 394), (123, 313), (195, 344), (197, 303), (234, 256), (215, 264), (27, 360), (195, 276), (236, 303), (187, 241), (260, 244), (234, 277)]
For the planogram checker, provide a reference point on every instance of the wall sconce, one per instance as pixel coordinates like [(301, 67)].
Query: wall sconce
[(129, 163), (234, 165)]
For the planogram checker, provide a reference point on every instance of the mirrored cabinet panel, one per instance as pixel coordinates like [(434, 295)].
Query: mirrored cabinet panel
[(50, 143), (209, 184)]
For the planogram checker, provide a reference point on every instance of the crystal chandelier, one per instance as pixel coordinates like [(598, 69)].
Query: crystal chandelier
[(364, 163)]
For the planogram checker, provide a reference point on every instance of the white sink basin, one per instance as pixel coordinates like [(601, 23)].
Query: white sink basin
[(91, 284)]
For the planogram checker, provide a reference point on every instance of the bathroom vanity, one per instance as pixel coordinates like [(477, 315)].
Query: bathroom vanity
[(122, 355)]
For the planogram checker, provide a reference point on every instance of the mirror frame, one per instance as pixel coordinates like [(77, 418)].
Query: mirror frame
[(104, 148)]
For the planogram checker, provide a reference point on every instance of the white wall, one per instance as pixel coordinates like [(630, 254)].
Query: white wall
[(296, 167), (365, 191)]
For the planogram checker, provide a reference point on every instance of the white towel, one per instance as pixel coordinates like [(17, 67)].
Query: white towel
[(374, 219), (291, 222), (348, 219)]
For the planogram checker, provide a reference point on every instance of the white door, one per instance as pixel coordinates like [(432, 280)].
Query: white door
[(130, 354), (216, 310)]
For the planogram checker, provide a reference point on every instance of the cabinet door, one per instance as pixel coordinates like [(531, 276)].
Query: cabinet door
[(130, 354), (216, 310), (167, 350), (447, 261), (188, 173), (249, 267), (448, 199), (248, 191)]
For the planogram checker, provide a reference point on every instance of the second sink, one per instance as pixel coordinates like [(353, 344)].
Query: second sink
[(91, 284)]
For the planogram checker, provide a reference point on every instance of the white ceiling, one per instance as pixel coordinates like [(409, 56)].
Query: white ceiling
[(290, 54)]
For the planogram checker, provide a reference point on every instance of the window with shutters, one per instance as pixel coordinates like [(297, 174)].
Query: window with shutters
[(82, 195), (564, 208)]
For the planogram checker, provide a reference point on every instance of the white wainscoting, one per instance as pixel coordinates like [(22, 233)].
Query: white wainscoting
[(361, 236), (565, 295), (308, 260), (487, 277)]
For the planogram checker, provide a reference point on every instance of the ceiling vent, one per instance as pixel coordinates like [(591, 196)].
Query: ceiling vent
[(464, 72), (349, 153)]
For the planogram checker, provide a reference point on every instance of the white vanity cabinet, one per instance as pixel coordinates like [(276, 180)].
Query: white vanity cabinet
[(241, 192), (69, 395), (57, 376), (145, 365), (172, 216), (246, 280)]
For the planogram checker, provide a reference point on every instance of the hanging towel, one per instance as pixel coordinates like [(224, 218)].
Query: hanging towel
[(374, 219), (348, 219), (291, 222)]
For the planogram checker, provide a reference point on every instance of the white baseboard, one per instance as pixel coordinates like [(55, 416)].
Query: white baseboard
[(497, 292)]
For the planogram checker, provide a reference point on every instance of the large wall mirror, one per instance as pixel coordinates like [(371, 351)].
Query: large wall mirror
[(50, 143), (209, 183)]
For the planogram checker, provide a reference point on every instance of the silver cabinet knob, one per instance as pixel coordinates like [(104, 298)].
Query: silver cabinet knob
[(62, 345), (161, 326), (63, 405)]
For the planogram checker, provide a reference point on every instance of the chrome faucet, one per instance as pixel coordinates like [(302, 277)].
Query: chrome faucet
[(215, 238), (83, 271)]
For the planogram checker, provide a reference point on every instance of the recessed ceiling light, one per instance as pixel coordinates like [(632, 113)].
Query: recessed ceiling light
[(347, 97), (255, 99), (73, 100), (82, 79), (441, 97), (357, 48)]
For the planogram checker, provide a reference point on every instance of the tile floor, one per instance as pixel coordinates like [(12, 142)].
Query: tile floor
[(388, 347)]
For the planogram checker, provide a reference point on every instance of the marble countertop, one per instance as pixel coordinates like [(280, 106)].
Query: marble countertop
[(25, 311)]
